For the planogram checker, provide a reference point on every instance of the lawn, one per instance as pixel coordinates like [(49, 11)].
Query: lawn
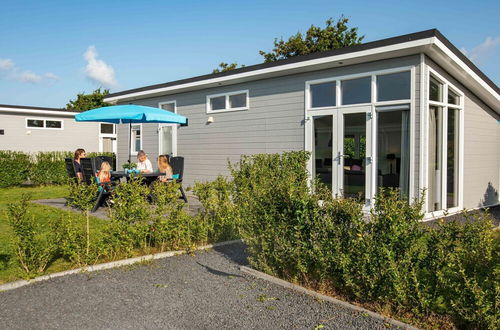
[(9, 270)]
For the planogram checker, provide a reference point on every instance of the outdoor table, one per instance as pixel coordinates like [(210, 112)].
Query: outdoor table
[(148, 177)]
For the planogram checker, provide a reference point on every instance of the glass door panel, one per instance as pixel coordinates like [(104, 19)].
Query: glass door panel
[(353, 155), (322, 149), (166, 140), (393, 149)]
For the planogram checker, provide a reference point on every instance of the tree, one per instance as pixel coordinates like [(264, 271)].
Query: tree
[(84, 102), (226, 67), (333, 36)]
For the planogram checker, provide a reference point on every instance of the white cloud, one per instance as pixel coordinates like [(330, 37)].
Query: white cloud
[(6, 64), (483, 50), (50, 75), (97, 70), (9, 70), (29, 77)]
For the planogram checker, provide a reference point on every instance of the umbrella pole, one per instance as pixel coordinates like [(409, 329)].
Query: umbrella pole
[(129, 141)]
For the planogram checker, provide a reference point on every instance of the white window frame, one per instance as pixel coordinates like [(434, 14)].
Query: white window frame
[(132, 141), (227, 109), (174, 129), (444, 105), (108, 135), (44, 123), (310, 112)]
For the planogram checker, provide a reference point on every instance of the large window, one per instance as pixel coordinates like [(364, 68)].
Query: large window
[(44, 123), (393, 145), (227, 102), (445, 106)]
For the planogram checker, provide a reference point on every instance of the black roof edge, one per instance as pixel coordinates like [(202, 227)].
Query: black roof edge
[(33, 108), (301, 58)]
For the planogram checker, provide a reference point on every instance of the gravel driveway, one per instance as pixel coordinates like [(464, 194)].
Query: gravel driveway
[(204, 291)]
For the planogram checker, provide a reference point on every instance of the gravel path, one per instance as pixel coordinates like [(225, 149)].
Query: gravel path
[(204, 291)]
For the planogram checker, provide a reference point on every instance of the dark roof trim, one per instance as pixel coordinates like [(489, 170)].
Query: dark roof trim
[(351, 49), (33, 108)]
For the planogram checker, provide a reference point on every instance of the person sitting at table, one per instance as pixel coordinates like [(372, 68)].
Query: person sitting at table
[(79, 153), (164, 167), (104, 175), (144, 164)]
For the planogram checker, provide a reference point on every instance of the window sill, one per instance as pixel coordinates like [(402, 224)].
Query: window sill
[(226, 110)]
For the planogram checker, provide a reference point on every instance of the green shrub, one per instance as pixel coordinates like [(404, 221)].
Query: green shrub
[(388, 257), (219, 211), (33, 244), (14, 168), (47, 167)]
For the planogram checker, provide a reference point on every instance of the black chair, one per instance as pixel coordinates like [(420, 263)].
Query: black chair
[(89, 177), (70, 168), (177, 164), (101, 159)]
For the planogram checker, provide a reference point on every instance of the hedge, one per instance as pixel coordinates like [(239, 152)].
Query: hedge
[(47, 167), (449, 272)]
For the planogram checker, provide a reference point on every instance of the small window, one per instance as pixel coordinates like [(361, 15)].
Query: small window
[(168, 106), (53, 124), (356, 91), (237, 101), (395, 86), (227, 102), (453, 98), (35, 123), (43, 123), (323, 95), (2, 132), (218, 103), (107, 129), (435, 90)]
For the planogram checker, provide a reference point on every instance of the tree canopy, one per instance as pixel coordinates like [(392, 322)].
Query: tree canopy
[(333, 36), (226, 67), (84, 102)]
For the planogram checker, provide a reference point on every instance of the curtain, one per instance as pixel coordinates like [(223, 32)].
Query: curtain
[(404, 173)]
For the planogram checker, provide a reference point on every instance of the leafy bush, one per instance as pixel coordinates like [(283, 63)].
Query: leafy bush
[(387, 257), (14, 168), (49, 167), (33, 244), (219, 211), (18, 167)]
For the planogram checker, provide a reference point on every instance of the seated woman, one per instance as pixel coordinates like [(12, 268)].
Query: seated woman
[(79, 153), (164, 167), (143, 163)]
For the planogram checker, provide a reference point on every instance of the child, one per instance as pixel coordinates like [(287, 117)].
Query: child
[(144, 164), (104, 175), (164, 167)]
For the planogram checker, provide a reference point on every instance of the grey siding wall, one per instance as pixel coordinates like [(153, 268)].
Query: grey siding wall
[(74, 135), (481, 148), (274, 122)]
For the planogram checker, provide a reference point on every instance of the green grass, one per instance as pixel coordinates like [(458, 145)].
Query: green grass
[(9, 270)]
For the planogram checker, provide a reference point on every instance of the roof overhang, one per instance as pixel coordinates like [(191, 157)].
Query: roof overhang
[(432, 45), (36, 111)]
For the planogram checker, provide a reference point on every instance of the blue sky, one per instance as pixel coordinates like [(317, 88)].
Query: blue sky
[(52, 50)]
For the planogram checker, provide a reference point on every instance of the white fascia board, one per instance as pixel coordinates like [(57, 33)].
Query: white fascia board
[(444, 57), (401, 49), (40, 112)]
